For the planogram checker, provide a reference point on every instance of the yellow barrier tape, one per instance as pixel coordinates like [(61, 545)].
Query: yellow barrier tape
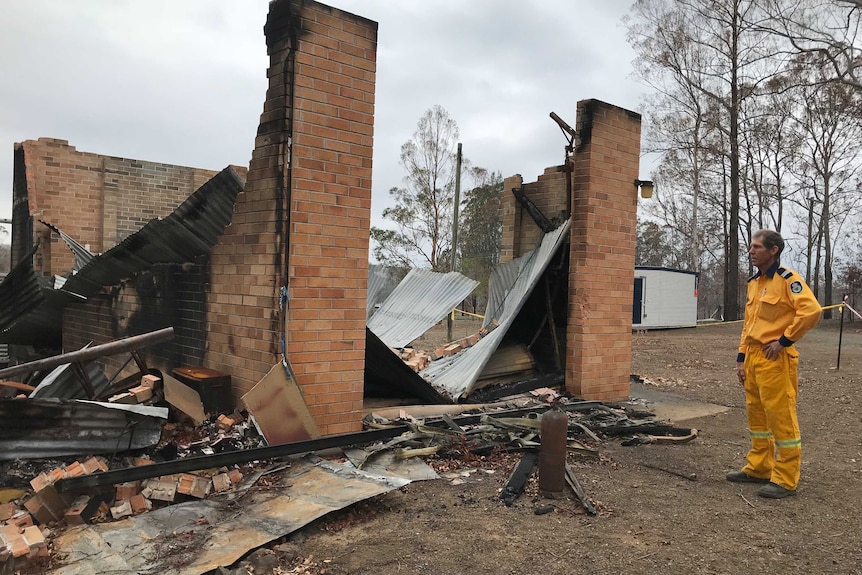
[(838, 305), (466, 312)]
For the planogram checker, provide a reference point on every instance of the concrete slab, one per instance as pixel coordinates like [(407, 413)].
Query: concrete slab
[(668, 406)]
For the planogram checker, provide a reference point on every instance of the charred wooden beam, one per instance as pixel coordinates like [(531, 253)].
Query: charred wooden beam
[(541, 220), (579, 490), (518, 480)]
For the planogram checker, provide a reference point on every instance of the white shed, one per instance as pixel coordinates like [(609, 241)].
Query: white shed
[(663, 298)]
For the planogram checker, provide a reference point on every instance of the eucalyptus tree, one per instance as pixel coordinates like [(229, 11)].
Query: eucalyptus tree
[(708, 54), (422, 213), (832, 144)]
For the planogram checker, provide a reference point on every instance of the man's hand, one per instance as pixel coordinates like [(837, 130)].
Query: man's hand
[(740, 372), (772, 349)]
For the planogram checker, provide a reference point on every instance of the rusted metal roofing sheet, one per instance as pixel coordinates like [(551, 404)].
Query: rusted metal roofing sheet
[(149, 543), (40, 428), (421, 300), (190, 231), (456, 376), (82, 254)]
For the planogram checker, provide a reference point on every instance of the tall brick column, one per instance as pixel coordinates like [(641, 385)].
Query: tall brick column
[(303, 220), (604, 221)]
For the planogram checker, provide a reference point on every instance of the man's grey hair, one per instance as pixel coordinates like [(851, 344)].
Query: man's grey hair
[(770, 239)]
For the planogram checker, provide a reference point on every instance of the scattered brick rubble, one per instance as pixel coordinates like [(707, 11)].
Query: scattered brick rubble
[(28, 522), (417, 360)]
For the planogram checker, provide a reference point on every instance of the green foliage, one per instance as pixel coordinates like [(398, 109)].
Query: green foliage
[(653, 246), (481, 230)]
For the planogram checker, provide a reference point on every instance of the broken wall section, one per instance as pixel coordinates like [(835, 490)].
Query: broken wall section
[(96, 199), (606, 163), (520, 232), (303, 221)]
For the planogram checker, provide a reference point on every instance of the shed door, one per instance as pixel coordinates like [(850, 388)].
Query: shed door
[(638, 303)]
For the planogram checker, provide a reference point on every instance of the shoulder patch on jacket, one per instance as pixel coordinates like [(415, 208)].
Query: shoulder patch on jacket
[(796, 287), (785, 273)]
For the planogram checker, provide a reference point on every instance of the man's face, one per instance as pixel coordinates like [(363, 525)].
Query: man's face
[(761, 256)]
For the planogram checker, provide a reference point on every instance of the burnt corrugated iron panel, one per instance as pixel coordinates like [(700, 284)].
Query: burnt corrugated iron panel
[(386, 374), (42, 428), (20, 292), (42, 326), (455, 376), (421, 300), (82, 254), (190, 231)]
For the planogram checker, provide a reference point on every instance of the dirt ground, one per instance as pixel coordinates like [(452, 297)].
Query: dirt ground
[(650, 520)]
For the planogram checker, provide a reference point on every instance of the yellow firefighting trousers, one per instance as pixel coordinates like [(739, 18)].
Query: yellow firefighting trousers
[(770, 401)]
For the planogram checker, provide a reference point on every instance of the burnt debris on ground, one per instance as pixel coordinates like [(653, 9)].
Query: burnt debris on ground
[(56, 512)]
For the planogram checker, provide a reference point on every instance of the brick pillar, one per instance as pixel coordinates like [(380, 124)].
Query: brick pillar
[(304, 217), (603, 236), (510, 216)]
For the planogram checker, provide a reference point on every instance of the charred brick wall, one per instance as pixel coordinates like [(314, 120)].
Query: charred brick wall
[(96, 199), (167, 296), (602, 257), (520, 232), (303, 220)]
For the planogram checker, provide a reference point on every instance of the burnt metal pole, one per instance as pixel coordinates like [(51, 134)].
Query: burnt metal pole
[(111, 348), (840, 333), (454, 258)]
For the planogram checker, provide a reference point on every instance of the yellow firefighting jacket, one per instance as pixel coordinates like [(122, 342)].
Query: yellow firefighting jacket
[(780, 307)]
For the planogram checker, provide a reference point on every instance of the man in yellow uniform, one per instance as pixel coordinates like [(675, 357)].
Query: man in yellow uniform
[(779, 311)]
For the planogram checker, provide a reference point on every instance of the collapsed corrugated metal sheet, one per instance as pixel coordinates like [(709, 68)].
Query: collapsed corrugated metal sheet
[(41, 326), (63, 383), (381, 282), (20, 292), (499, 284), (421, 300), (200, 536), (456, 376), (82, 254), (190, 231), (40, 428)]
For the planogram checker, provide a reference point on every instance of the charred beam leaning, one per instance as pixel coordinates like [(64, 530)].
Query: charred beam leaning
[(579, 490), (110, 348), (518, 480), (543, 222)]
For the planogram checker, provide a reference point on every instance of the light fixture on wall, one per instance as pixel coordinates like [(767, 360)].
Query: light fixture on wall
[(645, 187)]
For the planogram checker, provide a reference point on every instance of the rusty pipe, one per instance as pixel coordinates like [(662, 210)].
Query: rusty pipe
[(110, 348)]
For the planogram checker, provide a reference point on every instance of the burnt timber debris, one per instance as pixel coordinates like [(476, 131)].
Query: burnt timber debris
[(191, 464)]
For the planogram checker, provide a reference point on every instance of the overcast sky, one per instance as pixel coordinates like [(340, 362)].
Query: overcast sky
[(183, 81)]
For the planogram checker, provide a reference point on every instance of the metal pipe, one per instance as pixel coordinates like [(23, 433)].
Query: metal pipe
[(110, 348)]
